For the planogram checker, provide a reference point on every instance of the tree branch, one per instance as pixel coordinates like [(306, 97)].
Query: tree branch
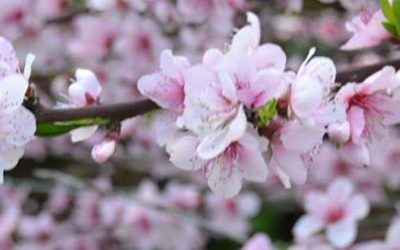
[(122, 111)]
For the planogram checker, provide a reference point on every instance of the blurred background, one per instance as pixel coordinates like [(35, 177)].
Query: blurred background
[(59, 198)]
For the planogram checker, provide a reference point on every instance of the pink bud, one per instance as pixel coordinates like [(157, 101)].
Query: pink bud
[(102, 151)]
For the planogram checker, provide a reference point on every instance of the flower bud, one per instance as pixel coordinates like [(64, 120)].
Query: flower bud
[(102, 151)]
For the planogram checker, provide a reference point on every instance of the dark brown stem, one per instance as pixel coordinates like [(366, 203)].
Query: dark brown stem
[(126, 110), (117, 112), (67, 17)]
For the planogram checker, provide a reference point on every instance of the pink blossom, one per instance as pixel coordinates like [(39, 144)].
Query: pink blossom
[(52, 9), (311, 111), (85, 91), (370, 108), (232, 214), (212, 110), (338, 211), (140, 42), (182, 196), (225, 172), (367, 30), (166, 87), (18, 124), (257, 70)]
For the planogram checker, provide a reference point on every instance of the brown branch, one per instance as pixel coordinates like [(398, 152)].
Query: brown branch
[(67, 17), (117, 112), (126, 110)]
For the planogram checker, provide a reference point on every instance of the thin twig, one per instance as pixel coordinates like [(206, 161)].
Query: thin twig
[(122, 111)]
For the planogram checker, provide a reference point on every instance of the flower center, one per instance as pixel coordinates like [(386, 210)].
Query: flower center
[(334, 215)]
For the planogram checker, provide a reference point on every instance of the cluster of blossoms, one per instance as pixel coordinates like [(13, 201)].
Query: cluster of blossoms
[(145, 219), (18, 125), (209, 108)]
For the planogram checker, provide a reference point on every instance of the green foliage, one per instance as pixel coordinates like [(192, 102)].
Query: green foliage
[(55, 129), (392, 14), (265, 114)]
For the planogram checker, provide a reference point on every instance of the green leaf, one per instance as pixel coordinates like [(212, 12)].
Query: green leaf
[(50, 129), (266, 113), (388, 11), (396, 12), (391, 29)]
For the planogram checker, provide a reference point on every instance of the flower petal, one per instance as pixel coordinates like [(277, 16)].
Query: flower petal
[(306, 96), (355, 154), (290, 162), (358, 207), (224, 179), (18, 127), (270, 56), (181, 151), (81, 134), (343, 234), (307, 226), (217, 141), (301, 137), (12, 91)]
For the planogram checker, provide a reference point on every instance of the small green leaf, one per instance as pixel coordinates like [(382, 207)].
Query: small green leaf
[(396, 12), (266, 113), (50, 129), (391, 29), (388, 11)]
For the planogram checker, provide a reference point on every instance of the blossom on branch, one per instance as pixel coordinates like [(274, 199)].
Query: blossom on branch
[(18, 124)]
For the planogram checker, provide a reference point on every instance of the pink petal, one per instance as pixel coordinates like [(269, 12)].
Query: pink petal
[(10, 158), (224, 179), (269, 84), (215, 142), (357, 155), (81, 134), (181, 151), (167, 93), (322, 69), (307, 226), (173, 66), (270, 56), (358, 207), (212, 57), (306, 96), (253, 164), (316, 203), (301, 137), (88, 80), (77, 92), (248, 37), (12, 91), (290, 162), (18, 127), (340, 191), (8, 59), (356, 119), (342, 235)]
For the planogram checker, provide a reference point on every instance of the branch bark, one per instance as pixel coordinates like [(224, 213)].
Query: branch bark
[(122, 111)]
